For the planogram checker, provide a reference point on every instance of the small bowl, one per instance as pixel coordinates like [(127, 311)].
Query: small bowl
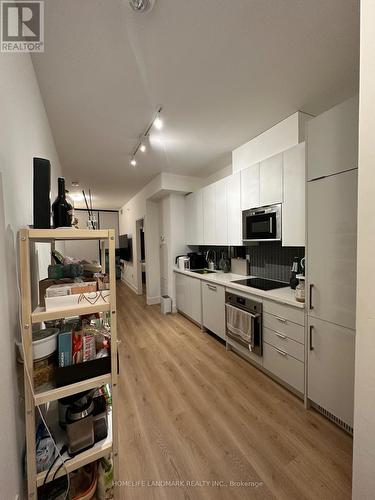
[(44, 343)]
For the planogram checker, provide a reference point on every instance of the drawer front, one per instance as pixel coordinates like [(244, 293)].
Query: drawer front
[(285, 367), (284, 327), (284, 343), (284, 311)]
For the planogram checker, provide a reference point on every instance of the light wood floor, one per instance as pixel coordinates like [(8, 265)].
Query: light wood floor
[(190, 411)]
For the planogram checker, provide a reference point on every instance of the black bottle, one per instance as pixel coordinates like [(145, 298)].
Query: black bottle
[(61, 209), (293, 273)]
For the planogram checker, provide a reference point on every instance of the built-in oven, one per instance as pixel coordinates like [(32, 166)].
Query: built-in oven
[(243, 322), (262, 224)]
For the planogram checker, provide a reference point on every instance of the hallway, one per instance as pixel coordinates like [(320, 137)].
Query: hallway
[(200, 417)]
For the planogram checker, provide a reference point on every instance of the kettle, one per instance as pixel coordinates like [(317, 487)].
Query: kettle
[(183, 262)]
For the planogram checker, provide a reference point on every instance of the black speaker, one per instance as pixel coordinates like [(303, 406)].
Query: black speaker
[(42, 193)]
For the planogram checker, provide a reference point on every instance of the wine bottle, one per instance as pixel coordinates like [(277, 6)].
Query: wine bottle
[(61, 209)]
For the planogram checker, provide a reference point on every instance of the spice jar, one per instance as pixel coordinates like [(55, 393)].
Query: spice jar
[(300, 288)]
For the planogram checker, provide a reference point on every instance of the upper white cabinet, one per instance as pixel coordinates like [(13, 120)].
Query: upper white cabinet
[(209, 219), (271, 181), (221, 214), (332, 141), (294, 210), (234, 214), (250, 187), (194, 218)]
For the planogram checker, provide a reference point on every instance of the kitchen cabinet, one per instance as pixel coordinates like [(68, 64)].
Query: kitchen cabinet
[(284, 343), (194, 218), (331, 368), (332, 140), (285, 367), (209, 219), (221, 214), (271, 181), (332, 250), (189, 297), (250, 187), (213, 308), (294, 210), (234, 215)]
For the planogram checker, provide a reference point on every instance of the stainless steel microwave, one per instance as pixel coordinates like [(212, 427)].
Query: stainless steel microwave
[(262, 224)]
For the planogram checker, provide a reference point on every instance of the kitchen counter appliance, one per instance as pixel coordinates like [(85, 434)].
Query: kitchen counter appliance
[(183, 262), (243, 322), (262, 224)]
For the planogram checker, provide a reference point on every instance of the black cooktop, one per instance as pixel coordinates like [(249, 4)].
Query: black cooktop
[(262, 283)]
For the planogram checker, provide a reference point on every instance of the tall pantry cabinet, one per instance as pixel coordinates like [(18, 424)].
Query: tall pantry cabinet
[(332, 150)]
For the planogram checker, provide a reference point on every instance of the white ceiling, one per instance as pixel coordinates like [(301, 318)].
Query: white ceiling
[(223, 70)]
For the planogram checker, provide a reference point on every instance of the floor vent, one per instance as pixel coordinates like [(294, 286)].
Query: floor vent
[(334, 419)]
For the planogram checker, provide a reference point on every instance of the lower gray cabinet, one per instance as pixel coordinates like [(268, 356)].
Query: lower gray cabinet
[(284, 366), (331, 368), (188, 296), (213, 307)]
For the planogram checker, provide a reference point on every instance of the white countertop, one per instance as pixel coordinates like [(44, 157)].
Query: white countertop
[(284, 295)]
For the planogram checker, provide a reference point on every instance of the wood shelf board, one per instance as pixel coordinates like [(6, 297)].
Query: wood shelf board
[(69, 390), (40, 314), (44, 235), (99, 450)]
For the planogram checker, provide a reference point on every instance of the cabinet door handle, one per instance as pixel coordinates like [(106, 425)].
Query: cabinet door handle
[(311, 347), (212, 287), (281, 335), (310, 296), (283, 320), (280, 351)]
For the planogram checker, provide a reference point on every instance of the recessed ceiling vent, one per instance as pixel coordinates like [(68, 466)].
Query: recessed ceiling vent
[(142, 5)]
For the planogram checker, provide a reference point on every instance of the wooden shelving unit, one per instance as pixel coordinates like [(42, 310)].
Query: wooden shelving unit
[(29, 317)]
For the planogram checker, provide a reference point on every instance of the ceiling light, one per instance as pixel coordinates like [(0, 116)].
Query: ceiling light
[(158, 122), (75, 183), (76, 196), (133, 162), (142, 148)]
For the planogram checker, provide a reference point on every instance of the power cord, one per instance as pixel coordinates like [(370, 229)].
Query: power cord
[(63, 449)]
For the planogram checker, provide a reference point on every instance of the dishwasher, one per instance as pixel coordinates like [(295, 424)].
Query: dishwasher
[(243, 322)]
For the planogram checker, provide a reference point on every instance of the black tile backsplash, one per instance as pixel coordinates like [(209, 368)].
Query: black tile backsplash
[(268, 259), (272, 260)]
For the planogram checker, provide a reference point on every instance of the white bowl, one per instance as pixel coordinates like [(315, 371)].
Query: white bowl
[(44, 342)]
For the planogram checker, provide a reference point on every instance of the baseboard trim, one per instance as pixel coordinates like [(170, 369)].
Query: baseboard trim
[(153, 300), (130, 285)]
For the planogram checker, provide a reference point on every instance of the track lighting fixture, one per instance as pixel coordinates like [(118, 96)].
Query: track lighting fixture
[(157, 122)]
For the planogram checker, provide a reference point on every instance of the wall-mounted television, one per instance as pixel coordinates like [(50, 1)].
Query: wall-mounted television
[(126, 247)]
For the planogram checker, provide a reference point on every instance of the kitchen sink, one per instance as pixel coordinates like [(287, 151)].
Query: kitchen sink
[(202, 271)]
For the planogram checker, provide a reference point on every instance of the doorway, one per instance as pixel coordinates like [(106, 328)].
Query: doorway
[(141, 257)]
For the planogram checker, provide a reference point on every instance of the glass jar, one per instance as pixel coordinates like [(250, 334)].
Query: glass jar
[(300, 288)]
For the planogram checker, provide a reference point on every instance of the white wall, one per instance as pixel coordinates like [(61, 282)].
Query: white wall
[(145, 204), (24, 133), (364, 404)]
